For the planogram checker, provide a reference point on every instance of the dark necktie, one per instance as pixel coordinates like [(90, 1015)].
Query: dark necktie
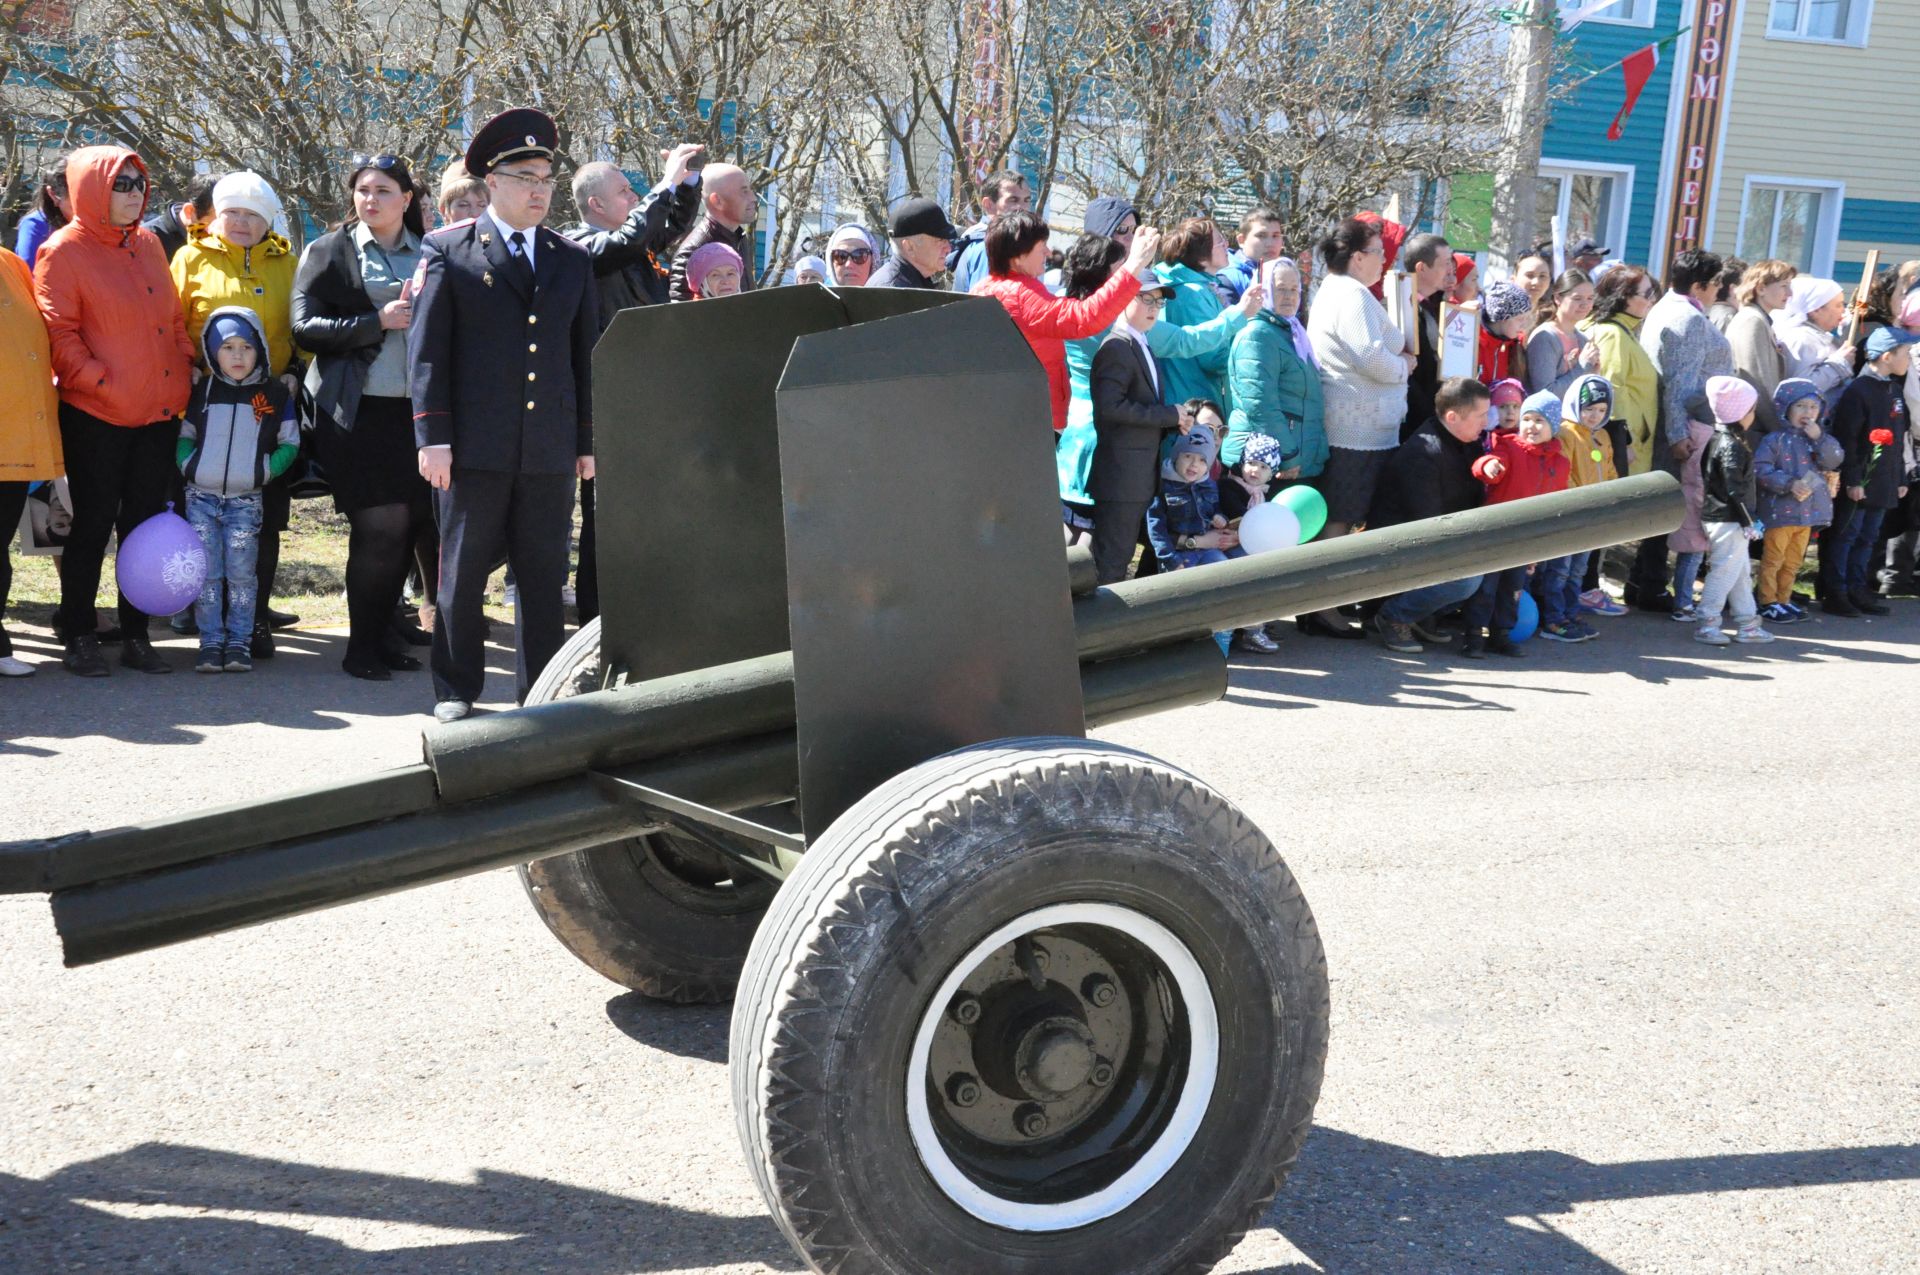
[(517, 246)]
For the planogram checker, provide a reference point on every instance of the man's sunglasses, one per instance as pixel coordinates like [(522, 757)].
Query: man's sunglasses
[(841, 256), (127, 183)]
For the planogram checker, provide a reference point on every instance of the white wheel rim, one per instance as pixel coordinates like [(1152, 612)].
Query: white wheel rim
[(1203, 1064)]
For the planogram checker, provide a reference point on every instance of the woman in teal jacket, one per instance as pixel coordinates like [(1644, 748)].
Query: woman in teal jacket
[(1275, 390), (1190, 257), (1088, 264)]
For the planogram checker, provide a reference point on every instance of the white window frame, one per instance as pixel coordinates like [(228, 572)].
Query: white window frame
[(1619, 211), (1859, 23), (1826, 232), (1626, 13)]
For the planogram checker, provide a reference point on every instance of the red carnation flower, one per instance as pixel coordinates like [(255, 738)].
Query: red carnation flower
[(1881, 438)]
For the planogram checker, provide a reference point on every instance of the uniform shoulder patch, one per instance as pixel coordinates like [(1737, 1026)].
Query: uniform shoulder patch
[(452, 226)]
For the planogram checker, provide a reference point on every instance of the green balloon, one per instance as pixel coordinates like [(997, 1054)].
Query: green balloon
[(1309, 506)]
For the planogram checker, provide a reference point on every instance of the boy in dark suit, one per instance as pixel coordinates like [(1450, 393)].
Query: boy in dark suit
[(505, 316), (1129, 420)]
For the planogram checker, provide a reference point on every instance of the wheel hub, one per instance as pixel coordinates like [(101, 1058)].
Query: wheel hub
[(1055, 1058)]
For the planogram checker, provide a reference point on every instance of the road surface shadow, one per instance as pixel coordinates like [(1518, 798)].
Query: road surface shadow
[(77, 1220), (1356, 1204), (686, 1031)]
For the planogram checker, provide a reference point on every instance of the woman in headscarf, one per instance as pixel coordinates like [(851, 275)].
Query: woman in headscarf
[(1466, 280), (1274, 384), (1804, 327), (810, 270), (850, 254)]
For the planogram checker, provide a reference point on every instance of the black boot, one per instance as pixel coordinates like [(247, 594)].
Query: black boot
[(261, 647)]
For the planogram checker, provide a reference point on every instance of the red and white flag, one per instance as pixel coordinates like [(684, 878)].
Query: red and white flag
[(1638, 68)]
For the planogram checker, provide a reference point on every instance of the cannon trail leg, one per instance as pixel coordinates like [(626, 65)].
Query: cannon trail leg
[(1042, 1005), (661, 914)]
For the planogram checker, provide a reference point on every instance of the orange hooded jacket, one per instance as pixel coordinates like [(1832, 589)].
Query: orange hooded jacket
[(120, 346)]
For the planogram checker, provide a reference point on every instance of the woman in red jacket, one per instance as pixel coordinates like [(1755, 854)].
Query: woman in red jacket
[(1016, 256), (125, 366)]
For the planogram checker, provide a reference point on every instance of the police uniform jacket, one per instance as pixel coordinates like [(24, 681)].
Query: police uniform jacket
[(502, 370)]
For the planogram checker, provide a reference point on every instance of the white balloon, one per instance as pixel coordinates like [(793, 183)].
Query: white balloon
[(1269, 526)]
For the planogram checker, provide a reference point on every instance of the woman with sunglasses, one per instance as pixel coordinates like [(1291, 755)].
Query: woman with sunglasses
[(120, 349), (352, 304), (850, 255)]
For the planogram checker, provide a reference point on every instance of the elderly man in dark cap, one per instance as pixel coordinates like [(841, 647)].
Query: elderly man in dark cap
[(921, 237), (505, 315)]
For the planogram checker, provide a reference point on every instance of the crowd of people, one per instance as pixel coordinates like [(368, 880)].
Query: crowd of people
[(186, 352)]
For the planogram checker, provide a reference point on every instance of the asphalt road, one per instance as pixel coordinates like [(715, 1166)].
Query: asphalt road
[(1623, 940)]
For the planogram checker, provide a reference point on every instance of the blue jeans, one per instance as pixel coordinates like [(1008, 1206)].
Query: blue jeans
[(1557, 587), (1852, 543), (1417, 604), (1496, 604), (1686, 574), (229, 528)]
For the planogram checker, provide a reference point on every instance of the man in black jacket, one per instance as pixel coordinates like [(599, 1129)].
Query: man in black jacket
[(1430, 259), (499, 355), (922, 237), (628, 234), (730, 208), (1129, 420), (1429, 475), (174, 224)]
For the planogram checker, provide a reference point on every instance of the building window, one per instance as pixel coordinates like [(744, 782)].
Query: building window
[(1636, 13), (1833, 21), (1590, 200), (1791, 221)]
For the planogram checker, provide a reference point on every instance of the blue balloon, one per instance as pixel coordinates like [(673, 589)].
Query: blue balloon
[(1528, 621)]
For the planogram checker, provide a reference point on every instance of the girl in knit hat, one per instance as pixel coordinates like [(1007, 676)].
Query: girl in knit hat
[(1791, 467), (1727, 513), (1504, 312)]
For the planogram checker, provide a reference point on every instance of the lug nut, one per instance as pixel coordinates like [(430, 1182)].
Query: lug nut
[(1040, 956), (962, 1090), (1098, 989), (1030, 1120), (966, 1010), (1102, 1073)]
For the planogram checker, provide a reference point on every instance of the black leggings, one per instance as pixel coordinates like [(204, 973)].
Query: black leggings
[(119, 477), (13, 498), (379, 552)]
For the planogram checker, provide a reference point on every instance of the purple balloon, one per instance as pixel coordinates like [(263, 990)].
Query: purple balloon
[(162, 564)]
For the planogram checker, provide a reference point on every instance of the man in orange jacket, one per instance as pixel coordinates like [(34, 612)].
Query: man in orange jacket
[(125, 366)]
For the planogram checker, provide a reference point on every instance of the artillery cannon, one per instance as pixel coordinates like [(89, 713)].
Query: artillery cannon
[(1007, 999)]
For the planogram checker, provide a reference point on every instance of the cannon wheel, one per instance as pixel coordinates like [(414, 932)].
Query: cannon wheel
[(659, 914), (1038, 1006)]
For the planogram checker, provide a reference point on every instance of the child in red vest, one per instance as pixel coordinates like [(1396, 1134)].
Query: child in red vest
[(1520, 462)]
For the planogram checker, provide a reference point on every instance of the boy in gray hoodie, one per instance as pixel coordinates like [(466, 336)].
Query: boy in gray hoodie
[(239, 434)]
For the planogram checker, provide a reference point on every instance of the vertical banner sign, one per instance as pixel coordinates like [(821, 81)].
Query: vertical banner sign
[(1699, 136), (986, 35)]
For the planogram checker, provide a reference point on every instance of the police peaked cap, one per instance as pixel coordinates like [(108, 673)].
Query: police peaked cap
[(521, 133)]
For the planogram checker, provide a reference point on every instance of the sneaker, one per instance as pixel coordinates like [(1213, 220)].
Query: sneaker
[(1775, 613), (1711, 635), (1397, 637), (1585, 632), (1431, 631), (136, 652), (1752, 633), (1501, 644), (210, 661), (12, 666), (1254, 639), (1797, 613), (1560, 633), (83, 657), (1685, 615), (261, 647), (1603, 606), (239, 660), (1473, 646)]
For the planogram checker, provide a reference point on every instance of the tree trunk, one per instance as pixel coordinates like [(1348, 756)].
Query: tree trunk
[(1516, 221)]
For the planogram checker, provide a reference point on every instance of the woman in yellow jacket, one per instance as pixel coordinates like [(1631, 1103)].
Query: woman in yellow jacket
[(1620, 302), (238, 260), (29, 422)]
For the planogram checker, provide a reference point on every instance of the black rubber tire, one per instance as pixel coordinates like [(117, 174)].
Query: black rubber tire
[(637, 910), (891, 898)]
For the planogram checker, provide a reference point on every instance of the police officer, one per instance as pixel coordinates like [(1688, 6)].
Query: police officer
[(500, 349)]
